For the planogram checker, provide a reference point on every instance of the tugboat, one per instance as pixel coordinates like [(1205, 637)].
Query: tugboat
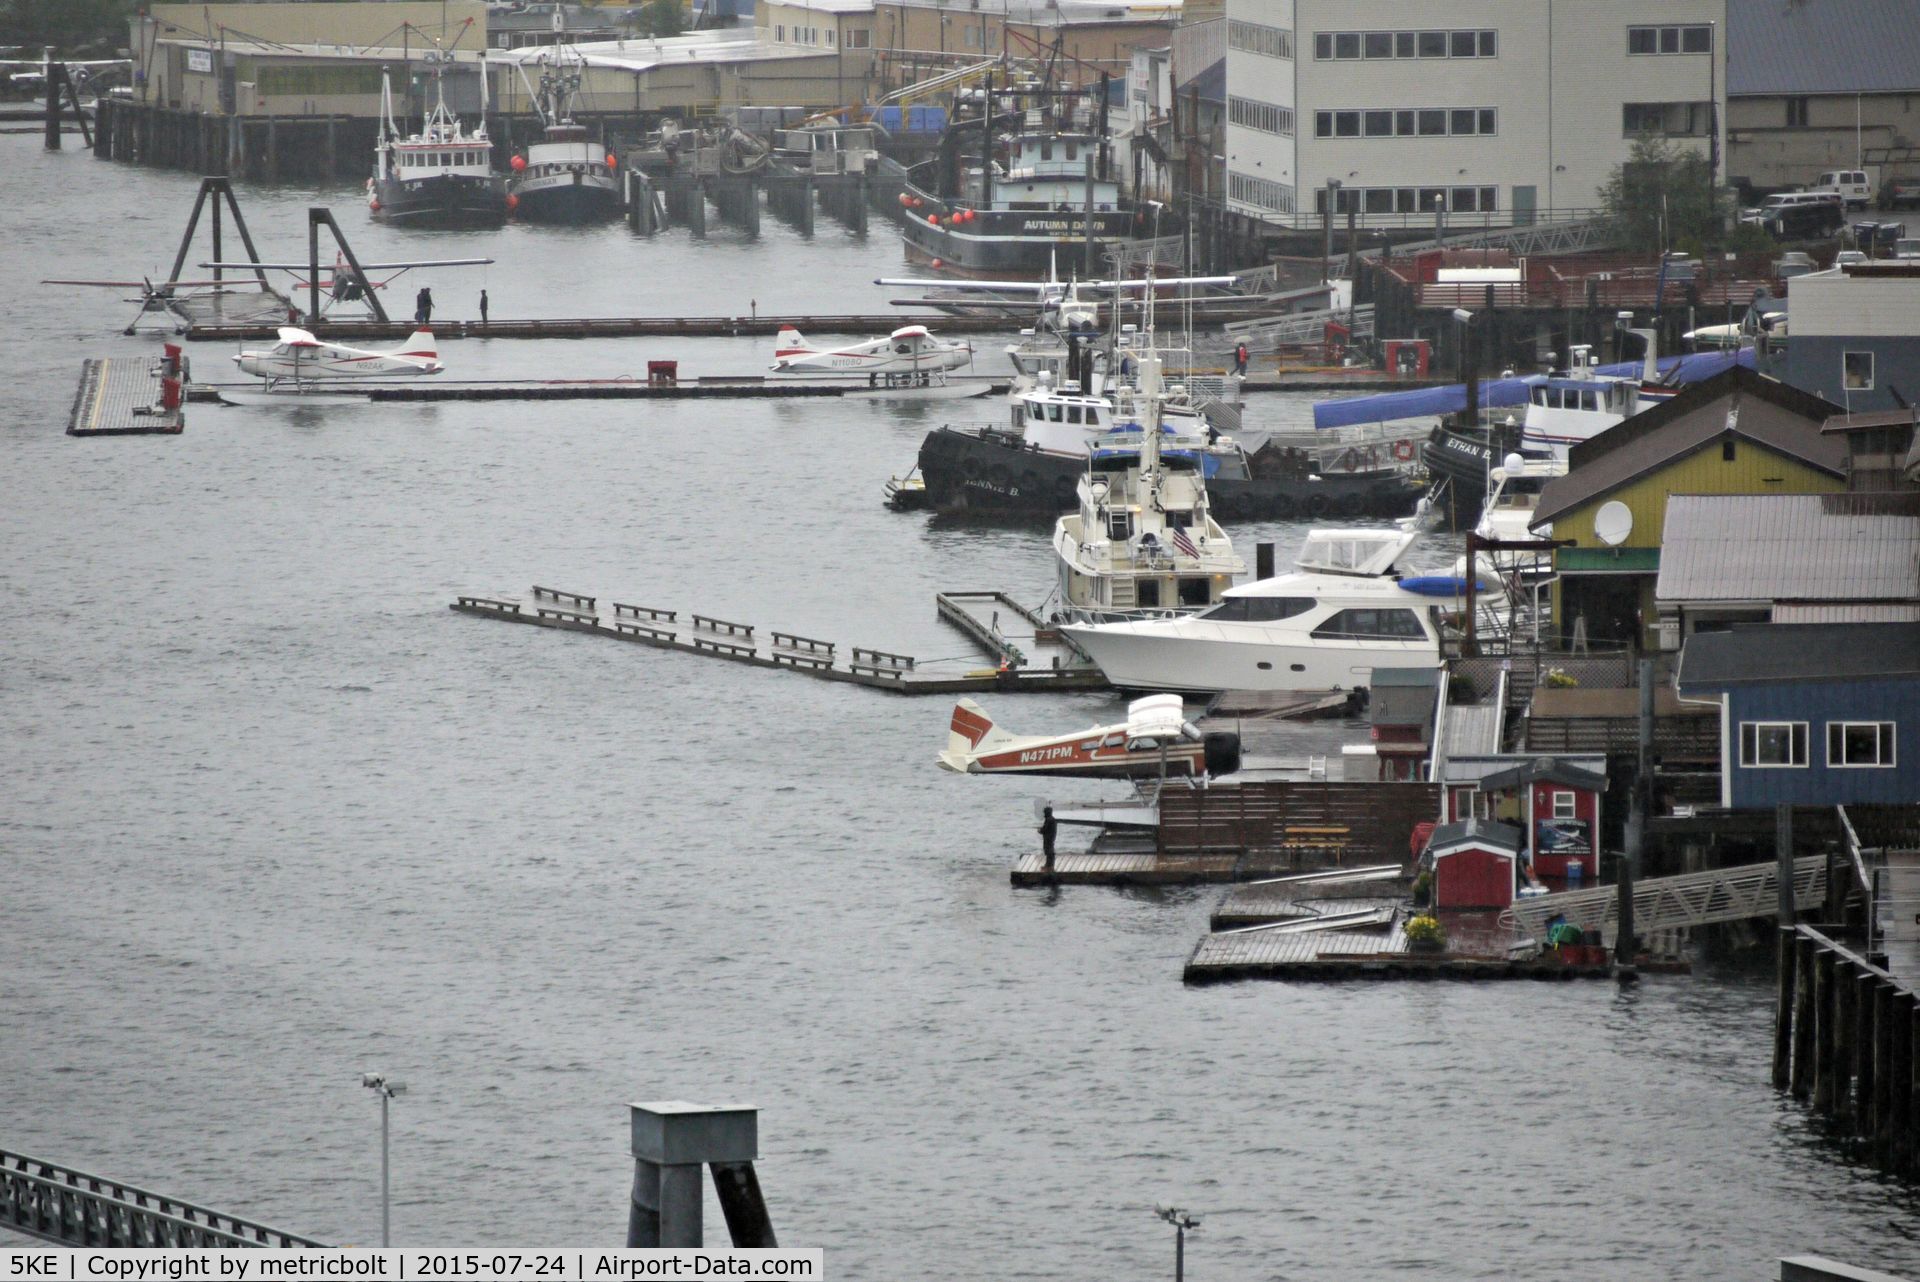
[(1032, 468), (440, 177), (563, 178), (1143, 543), (966, 214)]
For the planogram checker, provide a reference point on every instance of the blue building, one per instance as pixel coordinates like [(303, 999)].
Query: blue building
[(1812, 714)]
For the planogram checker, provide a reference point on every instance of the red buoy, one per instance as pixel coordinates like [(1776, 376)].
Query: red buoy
[(513, 201), (611, 162), (936, 263), (374, 204), (518, 164)]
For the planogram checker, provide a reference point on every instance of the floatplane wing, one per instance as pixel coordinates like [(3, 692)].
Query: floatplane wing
[(1154, 733), (246, 265)]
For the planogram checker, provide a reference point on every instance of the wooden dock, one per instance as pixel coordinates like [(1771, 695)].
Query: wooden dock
[(625, 389), (705, 636), (126, 396), (610, 327)]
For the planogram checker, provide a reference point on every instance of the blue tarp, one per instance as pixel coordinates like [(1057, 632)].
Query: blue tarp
[(1499, 393)]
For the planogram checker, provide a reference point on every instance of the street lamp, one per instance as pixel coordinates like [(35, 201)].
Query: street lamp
[(1181, 1222), (378, 1082)]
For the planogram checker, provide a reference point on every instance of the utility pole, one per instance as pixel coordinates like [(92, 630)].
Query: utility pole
[(1623, 948), (1181, 1222), (387, 1090)]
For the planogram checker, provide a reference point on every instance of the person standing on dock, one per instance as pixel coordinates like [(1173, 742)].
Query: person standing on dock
[(1240, 360), (1049, 827), (483, 307), (423, 306)]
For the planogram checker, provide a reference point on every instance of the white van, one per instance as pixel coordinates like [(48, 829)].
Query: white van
[(1853, 186)]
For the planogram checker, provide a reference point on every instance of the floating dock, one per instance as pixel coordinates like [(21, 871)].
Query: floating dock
[(128, 396), (1352, 925), (633, 389), (705, 636), (604, 327)]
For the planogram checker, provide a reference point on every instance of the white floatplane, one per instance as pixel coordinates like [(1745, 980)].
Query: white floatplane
[(909, 350), (1156, 739), (300, 364)]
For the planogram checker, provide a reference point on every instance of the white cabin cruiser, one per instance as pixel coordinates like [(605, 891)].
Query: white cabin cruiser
[(1142, 542), (1345, 610)]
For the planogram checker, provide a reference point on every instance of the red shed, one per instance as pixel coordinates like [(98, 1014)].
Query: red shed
[(1560, 804), (1475, 864)]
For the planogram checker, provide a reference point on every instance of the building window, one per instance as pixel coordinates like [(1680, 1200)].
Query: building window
[(1796, 113), (1263, 193), (779, 33), (1773, 745), (1854, 744), (1689, 39), (1422, 122), (1255, 37), (1343, 45), (1264, 116), (859, 39), (1564, 804), (1672, 119), (1856, 371), (830, 35), (1729, 450)]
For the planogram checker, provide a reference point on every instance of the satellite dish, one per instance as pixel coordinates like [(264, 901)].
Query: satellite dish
[(1513, 463), (1613, 523)]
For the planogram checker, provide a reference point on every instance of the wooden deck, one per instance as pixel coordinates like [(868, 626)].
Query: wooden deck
[(1224, 956), (119, 396), (708, 637), (1123, 868)]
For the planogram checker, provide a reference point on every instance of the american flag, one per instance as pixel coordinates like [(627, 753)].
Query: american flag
[(1184, 545)]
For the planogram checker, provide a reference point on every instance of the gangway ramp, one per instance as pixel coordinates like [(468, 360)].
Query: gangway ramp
[(56, 1203), (1670, 903)]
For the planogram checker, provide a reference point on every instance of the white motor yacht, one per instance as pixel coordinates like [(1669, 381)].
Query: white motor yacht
[(1344, 610), (1142, 542), (1568, 408)]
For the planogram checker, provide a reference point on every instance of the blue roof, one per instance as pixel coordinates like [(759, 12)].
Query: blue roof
[(1499, 393), (1845, 47)]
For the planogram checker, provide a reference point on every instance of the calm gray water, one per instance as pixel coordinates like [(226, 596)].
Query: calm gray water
[(275, 816)]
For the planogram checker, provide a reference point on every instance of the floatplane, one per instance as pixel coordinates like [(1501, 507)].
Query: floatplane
[(303, 368), (910, 362), (1155, 741)]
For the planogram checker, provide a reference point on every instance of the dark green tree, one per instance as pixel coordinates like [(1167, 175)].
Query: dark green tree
[(1662, 197), (75, 28), (663, 18)]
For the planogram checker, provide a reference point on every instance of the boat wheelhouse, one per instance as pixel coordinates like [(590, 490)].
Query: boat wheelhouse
[(565, 177)]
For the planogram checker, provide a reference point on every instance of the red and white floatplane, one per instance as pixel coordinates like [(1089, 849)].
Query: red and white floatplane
[(909, 363), (1155, 741)]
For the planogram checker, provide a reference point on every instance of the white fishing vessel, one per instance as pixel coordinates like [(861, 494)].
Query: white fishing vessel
[(1568, 408), (1142, 542), (441, 176), (565, 177), (1346, 609)]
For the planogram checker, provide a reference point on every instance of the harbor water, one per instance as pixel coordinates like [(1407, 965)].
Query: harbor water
[(274, 817)]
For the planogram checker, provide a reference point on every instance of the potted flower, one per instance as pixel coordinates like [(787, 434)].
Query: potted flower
[(1425, 934)]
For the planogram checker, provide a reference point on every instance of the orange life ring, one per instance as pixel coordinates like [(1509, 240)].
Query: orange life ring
[(1403, 451)]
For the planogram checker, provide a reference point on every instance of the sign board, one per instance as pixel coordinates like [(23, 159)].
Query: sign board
[(200, 60)]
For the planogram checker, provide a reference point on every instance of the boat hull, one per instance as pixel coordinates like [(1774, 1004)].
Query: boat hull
[(1014, 243), (448, 200), (1149, 657), (993, 474), (574, 198)]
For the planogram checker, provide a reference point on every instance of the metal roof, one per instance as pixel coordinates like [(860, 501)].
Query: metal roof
[(1547, 770), (1822, 46), (1473, 729), (1790, 547), (1766, 653), (1476, 832), (1738, 402), (1845, 612)]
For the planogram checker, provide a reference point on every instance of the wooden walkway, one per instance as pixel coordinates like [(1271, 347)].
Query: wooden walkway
[(705, 636), (1123, 868), (119, 396)]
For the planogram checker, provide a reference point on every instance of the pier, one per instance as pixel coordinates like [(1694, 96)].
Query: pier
[(129, 396), (707, 637), (57, 1203)]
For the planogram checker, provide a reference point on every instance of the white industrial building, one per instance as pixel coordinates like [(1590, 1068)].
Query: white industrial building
[(1494, 111)]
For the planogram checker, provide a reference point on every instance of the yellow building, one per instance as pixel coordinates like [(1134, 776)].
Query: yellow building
[(1737, 433)]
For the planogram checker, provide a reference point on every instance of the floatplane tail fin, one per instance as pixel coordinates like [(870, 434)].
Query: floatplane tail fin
[(971, 731), (789, 343)]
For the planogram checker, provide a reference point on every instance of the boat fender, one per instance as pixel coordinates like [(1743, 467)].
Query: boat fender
[(1350, 460), (1403, 451)]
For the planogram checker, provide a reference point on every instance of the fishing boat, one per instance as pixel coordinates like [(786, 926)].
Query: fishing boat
[(441, 176), (1056, 193), (1142, 543), (565, 177), (1348, 607)]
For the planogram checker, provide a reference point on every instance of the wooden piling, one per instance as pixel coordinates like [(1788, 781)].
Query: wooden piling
[(1782, 1000), (1803, 1026), (1827, 1011), (1863, 1038), (1835, 1067), (1882, 1100)]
